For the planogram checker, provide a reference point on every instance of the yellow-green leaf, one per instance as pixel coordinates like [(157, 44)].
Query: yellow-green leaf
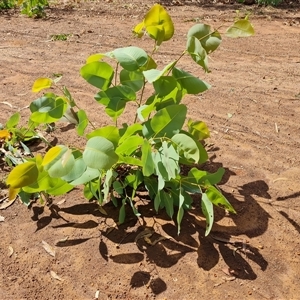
[(12, 193), (240, 28), (138, 29), (23, 175), (51, 155), (158, 16), (41, 84)]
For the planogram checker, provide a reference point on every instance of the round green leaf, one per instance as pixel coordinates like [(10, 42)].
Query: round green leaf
[(130, 58), (98, 74), (99, 153)]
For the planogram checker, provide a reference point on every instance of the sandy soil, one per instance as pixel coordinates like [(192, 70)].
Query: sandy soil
[(253, 113)]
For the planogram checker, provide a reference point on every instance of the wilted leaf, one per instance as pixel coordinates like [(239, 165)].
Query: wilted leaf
[(55, 276), (49, 249)]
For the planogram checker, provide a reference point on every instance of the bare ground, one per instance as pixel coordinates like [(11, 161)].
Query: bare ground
[(253, 113)]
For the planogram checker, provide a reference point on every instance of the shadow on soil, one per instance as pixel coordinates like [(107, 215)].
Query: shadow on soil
[(161, 246)]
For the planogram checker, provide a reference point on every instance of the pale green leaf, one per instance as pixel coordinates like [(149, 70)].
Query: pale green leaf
[(109, 132), (130, 145), (147, 161), (83, 121), (240, 28), (13, 121), (99, 153)]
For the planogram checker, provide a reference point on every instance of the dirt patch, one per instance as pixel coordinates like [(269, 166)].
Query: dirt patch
[(253, 113)]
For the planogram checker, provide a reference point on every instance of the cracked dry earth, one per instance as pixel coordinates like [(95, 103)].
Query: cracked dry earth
[(253, 112)]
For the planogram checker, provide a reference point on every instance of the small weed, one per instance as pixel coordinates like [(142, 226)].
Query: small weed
[(60, 37)]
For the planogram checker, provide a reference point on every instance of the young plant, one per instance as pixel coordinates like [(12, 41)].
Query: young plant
[(160, 151), (34, 8)]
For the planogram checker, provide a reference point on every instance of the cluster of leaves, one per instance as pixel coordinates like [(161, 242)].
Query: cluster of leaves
[(34, 8), (31, 8), (7, 4), (148, 154)]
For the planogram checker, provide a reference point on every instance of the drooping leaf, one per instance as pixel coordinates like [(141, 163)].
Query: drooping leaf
[(130, 58), (240, 28), (210, 40), (187, 147), (147, 161), (99, 153), (208, 211), (180, 212), (120, 92), (22, 175), (167, 200), (98, 74), (197, 52), (109, 176), (83, 121), (218, 199), (198, 130), (191, 84), (41, 84)]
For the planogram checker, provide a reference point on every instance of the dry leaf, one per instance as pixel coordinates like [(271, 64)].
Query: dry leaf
[(2, 219), (49, 249), (55, 276), (102, 210), (10, 251), (7, 103), (61, 202), (6, 203), (97, 294)]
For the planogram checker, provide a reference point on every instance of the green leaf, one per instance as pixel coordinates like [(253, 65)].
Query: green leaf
[(109, 132), (210, 40), (164, 85), (118, 187), (197, 52), (208, 211), (98, 74), (109, 177), (168, 121), (187, 147), (115, 108), (99, 153), (153, 74), (157, 201), (77, 171), (166, 161), (25, 197), (134, 180), (151, 186), (191, 84), (198, 130), (122, 213), (130, 58), (240, 28), (60, 187), (132, 79), (47, 109), (218, 199), (83, 122), (95, 57), (128, 131), (88, 175), (147, 161), (13, 121), (167, 200), (23, 175), (180, 212), (130, 145), (120, 92), (129, 160)]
